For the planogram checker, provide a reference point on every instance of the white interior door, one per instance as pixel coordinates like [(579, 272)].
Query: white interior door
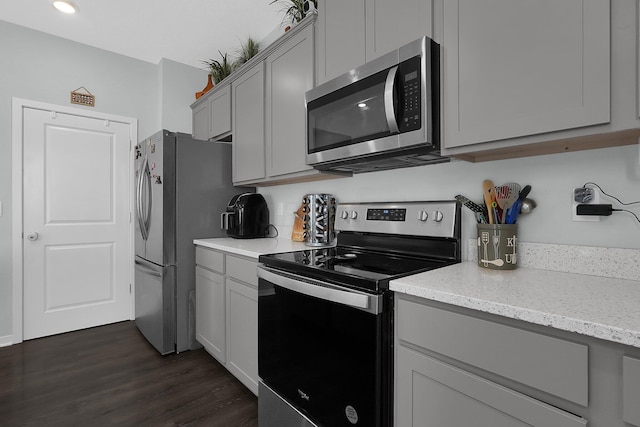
[(77, 247)]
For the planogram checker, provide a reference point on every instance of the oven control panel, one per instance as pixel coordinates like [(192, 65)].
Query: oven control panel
[(437, 219)]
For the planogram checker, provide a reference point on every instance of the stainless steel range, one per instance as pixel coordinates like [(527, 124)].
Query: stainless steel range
[(325, 315)]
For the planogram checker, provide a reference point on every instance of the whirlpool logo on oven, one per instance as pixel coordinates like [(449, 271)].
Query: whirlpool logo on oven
[(303, 395)]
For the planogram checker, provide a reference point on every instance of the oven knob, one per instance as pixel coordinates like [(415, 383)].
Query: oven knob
[(422, 216), (354, 214), (437, 216), (344, 215)]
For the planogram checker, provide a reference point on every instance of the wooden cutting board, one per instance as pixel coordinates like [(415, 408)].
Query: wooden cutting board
[(297, 235)]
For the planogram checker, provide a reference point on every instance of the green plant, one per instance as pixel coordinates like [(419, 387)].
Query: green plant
[(294, 9), (219, 69), (248, 50)]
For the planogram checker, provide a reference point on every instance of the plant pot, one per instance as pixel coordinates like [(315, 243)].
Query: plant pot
[(207, 88)]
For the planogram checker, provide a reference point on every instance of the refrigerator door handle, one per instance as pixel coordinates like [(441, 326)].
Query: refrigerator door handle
[(146, 204), (147, 268), (139, 186)]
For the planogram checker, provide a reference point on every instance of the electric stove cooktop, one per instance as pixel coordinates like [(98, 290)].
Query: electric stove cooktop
[(379, 242)]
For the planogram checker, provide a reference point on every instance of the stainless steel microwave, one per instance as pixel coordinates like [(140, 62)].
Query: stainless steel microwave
[(382, 115)]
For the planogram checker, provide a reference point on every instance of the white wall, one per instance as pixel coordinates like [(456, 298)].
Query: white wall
[(552, 177), (40, 67)]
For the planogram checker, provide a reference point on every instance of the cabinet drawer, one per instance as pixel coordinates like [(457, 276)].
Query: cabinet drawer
[(431, 392), (548, 364), (631, 390), (242, 269), (210, 259)]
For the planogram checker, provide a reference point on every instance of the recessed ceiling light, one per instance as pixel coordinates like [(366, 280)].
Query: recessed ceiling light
[(65, 6)]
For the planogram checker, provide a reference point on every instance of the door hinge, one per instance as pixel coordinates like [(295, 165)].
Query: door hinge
[(129, 288)]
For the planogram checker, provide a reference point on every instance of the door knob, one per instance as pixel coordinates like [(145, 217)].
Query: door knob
[(32, 236)]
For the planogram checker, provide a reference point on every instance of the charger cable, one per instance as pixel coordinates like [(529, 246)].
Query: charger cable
[(609, 208)]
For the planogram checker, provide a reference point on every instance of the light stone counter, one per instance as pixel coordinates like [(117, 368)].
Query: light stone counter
[(601, 307), (252, 248)]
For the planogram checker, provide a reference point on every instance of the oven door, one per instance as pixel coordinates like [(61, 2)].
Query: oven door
[(325, 350)]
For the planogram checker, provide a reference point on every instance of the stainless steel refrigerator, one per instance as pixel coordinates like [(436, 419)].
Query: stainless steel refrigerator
[(182, 187)]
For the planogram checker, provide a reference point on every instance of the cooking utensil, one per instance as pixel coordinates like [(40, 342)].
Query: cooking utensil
[(474, 207), (527, 206), (498, 262), (506, 196), (489, 199), (514, 211)]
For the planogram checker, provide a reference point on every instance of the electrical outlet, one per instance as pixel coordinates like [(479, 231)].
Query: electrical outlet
[(589, 197)]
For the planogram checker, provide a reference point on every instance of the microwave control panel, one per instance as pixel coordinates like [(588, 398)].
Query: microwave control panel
[(410, 98)]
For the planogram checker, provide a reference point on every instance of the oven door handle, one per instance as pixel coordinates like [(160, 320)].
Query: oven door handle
[(321, 290)]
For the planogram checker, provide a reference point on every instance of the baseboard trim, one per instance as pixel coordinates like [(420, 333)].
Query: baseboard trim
[(6, 341)]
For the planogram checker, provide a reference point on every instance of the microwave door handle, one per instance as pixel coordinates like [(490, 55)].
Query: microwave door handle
[(389, 109)]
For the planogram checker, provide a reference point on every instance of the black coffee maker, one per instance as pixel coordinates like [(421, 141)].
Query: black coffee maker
[(247, 216)]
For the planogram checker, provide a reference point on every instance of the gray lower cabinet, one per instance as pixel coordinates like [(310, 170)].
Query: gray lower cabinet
[(433, 393), (210, 313), (460, 367), (441, 356), (631, 390), (227, 312), (242, 332)]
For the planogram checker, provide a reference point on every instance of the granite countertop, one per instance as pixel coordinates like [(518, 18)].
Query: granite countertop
[(546, 289), (252, 248), (602, 307)]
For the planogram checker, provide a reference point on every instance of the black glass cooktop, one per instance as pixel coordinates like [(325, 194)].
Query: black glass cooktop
[(361, 269)]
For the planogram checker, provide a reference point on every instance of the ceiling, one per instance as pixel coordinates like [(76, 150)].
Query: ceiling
[(186, 31)]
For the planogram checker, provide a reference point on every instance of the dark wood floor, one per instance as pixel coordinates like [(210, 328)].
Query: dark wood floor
[(110, 375)]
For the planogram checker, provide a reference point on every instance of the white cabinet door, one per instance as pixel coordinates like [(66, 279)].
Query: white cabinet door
[(210, 312), (220, 112), (341, 37), (391, 24), (289, 76), (516, 68), (242, 333), (248, 122)]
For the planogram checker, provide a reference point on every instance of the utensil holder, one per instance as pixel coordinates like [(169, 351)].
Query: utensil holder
[(497, 246), (319, 212)]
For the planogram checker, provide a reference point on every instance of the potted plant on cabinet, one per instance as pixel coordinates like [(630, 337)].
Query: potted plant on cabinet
[(248, 50), (294, 10)]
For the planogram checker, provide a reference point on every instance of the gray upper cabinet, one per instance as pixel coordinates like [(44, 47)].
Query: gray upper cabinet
[(269, 115), (391, 24), (341, 37), (220, 113), (352, 32), (200, 120), (513, 69), (248, 122), (289, 76)]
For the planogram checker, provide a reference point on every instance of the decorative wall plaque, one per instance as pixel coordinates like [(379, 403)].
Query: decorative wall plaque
[(83, 98)]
